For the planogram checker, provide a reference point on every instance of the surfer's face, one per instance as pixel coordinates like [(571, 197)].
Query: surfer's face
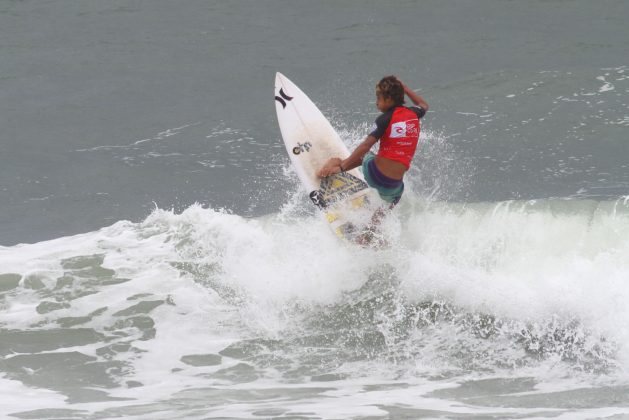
[(383, 103)]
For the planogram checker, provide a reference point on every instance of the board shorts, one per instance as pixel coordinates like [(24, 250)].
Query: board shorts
[(390, 190)]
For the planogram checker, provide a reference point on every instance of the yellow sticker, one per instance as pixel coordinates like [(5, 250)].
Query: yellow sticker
[(331, 217), (358, 202), (337, 183)]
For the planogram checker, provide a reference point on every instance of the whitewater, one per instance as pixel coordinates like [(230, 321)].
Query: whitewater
[(486, 309)]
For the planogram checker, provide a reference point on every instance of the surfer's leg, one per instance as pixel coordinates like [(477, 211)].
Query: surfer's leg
[(371, 234), (390, 196), (379, 215)]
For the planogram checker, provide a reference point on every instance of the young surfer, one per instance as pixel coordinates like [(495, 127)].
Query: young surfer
[(397, 129)]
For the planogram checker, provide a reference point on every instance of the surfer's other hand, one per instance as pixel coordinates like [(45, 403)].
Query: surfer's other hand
[(331, 167)]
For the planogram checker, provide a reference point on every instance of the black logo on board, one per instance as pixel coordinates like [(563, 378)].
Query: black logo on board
[(317, 198), (302, 148), (283, 98)]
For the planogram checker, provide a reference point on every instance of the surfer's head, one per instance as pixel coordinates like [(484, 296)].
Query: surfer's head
[(389, 92)]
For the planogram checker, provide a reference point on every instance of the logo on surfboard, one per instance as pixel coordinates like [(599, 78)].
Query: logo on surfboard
[(283, 98), (302, 148)]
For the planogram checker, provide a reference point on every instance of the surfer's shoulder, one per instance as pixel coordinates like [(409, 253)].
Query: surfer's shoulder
[(418, 110), (381, 123)]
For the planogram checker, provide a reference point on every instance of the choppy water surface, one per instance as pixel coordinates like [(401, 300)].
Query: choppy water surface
[(503, 291)]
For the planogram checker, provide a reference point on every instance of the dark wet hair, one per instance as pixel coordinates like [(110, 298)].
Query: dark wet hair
[(390, 87)]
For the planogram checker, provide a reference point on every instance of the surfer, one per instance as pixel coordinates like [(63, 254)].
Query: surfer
[(397, 129)]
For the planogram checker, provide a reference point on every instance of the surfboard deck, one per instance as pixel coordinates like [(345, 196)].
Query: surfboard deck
[(345, 200)]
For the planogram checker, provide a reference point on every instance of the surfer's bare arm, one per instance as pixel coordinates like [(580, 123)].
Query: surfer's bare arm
[(415, 97), (356, 158), (336, 165)]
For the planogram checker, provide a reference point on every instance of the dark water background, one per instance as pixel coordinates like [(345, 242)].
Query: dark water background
[(111, 107)]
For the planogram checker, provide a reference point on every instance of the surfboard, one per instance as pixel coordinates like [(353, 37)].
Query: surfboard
[(345, 200)]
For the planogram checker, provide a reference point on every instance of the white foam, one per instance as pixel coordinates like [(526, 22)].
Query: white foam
[(526, 262), (17, 397)]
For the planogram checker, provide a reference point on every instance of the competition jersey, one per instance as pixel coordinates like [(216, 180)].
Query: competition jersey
[(398, 131)]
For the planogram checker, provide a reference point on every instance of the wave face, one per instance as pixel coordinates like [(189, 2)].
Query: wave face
[(475, 309)]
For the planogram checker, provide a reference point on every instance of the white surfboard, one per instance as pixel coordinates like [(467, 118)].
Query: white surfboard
[(310, 141)]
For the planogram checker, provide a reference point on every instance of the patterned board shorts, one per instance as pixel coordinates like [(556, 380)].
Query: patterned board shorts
[(390, 195)]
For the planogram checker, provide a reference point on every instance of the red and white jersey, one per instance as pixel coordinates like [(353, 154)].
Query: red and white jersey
[(399, 139)]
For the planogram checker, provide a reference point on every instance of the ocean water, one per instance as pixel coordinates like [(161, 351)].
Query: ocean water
[(159, 259)]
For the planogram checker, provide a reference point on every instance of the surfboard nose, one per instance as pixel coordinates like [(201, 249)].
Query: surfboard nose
[(278, 79)]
